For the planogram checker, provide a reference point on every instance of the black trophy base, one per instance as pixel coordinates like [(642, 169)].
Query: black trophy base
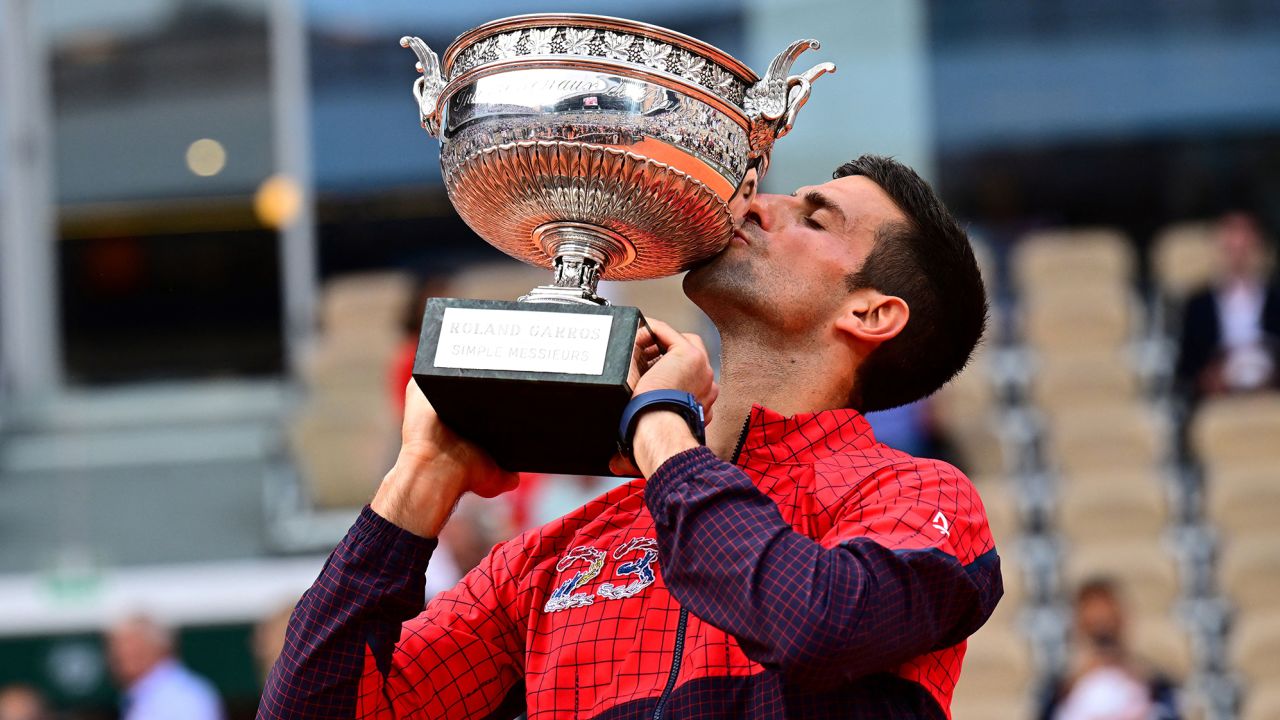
[(541, 387)]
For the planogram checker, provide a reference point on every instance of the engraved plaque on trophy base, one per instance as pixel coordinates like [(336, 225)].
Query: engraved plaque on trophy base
[(539, 386)]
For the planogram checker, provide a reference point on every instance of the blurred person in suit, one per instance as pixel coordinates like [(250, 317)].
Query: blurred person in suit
[(1231, 330), (1104, 679), (23, 702), (155, 684)]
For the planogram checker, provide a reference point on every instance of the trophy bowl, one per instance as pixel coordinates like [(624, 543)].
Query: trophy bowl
[(616, 149), (599, 148)]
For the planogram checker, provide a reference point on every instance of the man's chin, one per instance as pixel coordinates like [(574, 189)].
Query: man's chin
[(721, 277), (697, 276)]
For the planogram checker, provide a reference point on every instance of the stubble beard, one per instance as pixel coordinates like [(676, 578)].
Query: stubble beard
[(727, 288)]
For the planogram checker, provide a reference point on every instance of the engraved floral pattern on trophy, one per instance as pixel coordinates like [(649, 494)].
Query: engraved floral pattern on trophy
[(577, 41), (604, 44)]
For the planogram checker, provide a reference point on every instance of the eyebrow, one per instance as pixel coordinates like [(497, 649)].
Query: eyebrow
[(822, 202)]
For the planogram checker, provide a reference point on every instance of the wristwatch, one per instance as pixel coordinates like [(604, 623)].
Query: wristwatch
[(682, 403)]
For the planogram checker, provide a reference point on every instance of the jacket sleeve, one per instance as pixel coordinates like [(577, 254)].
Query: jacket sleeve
[(360, 644), (1198, 341), (907, 568)]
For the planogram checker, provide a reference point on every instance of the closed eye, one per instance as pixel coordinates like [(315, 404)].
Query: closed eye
[(808, 220)]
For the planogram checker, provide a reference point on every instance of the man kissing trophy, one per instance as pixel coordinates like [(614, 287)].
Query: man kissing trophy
[(602, 149)]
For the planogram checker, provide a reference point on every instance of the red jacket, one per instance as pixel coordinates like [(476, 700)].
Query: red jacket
[(825, 575)]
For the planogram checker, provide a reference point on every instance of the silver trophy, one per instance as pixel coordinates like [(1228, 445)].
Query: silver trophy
[(599, 148)]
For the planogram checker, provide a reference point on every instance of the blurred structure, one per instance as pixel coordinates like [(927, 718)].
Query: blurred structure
[(214, 212)]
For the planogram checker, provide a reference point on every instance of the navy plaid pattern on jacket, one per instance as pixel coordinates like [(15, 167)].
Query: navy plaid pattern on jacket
[(824, 575)]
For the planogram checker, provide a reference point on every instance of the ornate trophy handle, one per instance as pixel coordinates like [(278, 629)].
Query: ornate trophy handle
[(426, 89), (773, 102)]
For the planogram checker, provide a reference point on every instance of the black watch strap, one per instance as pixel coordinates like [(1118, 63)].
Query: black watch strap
[(682, 403)]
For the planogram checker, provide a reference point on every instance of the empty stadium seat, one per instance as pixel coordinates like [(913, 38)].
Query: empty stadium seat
[(1116, 437), (1261, 703), (1255, 648), (998, 675), (1249, 570), (1184, 258), (1244, 499), (966, 411), (1163, 642), (1237, 430), (1105, 506), (1002, 510), (969, 394), (1083, 377), (1063, 325), (343, 445), (344, 437), (1058, 257)]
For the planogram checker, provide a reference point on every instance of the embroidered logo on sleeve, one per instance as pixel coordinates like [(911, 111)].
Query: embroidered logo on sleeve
[(941, 525)]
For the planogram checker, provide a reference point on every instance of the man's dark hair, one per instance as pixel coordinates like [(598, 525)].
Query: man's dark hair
[(928, 262)]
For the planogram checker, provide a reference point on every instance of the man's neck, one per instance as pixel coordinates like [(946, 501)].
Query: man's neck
[(786, 375)]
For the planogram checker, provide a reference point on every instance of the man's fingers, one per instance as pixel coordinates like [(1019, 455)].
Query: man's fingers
[(644, 338), (666, 335), (696, 341)]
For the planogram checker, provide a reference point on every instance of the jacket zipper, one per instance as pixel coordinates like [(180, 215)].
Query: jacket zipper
[(742, 439), (675, 664), (683, 622)]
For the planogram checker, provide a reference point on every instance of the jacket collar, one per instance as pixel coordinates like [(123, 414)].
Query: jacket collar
[(773, 437)]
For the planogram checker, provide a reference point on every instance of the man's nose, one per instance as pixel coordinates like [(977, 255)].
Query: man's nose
[(766, 210)]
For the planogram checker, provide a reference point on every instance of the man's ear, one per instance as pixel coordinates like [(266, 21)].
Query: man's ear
[(869, 316)]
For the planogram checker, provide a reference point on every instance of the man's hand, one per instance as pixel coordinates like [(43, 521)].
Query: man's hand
[(661, 434), (433, 469)]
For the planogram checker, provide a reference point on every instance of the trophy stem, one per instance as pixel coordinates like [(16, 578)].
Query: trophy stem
[(582, 252)]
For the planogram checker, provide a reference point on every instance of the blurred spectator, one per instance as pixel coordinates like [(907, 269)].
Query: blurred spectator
[(268, 638), (22, 702), (156, 685), (1231, 331), (1104, 681)]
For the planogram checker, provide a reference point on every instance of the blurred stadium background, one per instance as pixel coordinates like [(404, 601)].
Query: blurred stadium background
[(218, 217)]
